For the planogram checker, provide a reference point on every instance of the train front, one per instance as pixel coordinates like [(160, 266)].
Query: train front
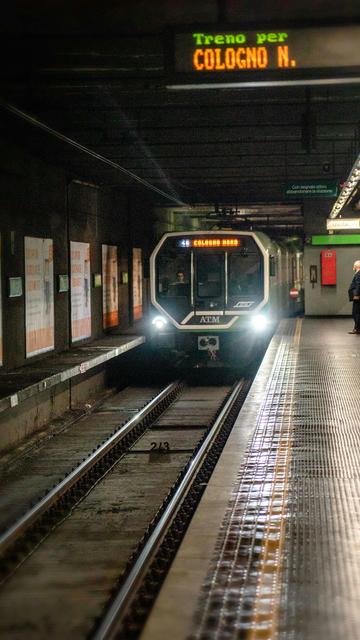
[(210, 293)]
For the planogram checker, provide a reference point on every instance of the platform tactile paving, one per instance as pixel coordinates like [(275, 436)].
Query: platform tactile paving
[(287, 563)]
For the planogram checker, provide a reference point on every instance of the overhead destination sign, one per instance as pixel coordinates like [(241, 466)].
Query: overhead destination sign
[(235, 55)]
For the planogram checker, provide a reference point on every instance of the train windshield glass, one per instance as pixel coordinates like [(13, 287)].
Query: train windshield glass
[(173, 281), (245, 275), (209, 278), (174, 276)]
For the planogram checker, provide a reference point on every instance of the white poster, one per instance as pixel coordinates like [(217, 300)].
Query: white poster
[(110, 286), (39, 295), (137, 284), (80, 291)]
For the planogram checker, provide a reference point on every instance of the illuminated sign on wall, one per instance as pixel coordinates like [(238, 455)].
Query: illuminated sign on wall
[(342, 223), (351, 238), (209, 242), (209, 54), (312, 188)]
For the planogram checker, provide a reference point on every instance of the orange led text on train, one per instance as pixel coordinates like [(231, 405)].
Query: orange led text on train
[(216, 242), (230, 59)]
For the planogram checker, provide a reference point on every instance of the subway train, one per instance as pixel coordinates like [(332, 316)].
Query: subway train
[(217, 295)]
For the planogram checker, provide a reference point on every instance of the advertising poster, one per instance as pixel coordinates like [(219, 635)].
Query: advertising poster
[(137, 284), (110, 286), (80, 291), (39, 295)]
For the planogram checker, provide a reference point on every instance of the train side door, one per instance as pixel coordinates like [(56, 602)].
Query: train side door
[(209, 285)]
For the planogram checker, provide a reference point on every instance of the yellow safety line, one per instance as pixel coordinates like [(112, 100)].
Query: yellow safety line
[(265, 618), (297, 332)]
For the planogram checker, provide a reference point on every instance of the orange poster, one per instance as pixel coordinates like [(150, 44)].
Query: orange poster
[(137, 284), (80, 291), (110, 286), (39, 295)]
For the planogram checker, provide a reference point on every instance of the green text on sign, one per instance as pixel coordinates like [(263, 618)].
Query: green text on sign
[(203, 53)]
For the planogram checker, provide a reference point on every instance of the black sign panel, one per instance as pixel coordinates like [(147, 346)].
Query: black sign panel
[(235, 55)]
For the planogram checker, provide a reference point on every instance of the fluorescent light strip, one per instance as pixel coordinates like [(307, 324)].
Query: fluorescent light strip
[(261, 83), (346, 192)]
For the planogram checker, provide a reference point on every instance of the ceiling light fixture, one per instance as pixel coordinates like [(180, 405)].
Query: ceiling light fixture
[(348, 189)]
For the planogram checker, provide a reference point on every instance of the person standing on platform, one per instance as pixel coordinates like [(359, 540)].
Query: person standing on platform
[(354, 297)]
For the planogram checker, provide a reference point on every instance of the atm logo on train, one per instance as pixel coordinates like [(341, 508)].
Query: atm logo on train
[(210, 320)]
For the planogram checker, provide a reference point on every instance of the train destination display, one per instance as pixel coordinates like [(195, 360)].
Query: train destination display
[(208, 242), (282, 53)]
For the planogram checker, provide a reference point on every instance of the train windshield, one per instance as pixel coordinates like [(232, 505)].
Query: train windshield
[(210, 268), (193, 277), (174, 276), (174, 281)]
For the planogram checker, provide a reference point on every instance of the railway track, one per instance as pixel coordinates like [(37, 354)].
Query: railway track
[(115, 519)]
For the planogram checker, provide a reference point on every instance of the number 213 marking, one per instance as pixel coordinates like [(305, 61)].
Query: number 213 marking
[(162, 447)]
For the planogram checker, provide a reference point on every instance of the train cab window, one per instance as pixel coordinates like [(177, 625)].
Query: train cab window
[(174, 276), (244, 275), (209, 275)]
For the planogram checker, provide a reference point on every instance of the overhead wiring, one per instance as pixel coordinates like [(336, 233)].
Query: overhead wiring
[(97, 156)]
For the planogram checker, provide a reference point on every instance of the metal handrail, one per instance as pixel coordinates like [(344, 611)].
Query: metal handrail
[(23, 523), (123, 596)]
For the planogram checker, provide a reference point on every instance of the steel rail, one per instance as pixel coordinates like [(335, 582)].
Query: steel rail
[(123, 597), (23, 523)]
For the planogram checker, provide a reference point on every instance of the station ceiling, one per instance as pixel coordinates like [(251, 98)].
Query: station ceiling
[(98, 78)]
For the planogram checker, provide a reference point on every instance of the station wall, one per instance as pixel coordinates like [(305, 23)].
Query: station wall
[(329, 300), (316, 211), (38, 200), (325, 300)]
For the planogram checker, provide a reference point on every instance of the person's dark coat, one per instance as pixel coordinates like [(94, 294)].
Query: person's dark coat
[(354, 289)]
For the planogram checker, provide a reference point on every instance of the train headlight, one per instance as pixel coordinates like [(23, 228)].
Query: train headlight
[(259, 322), (159, 322)]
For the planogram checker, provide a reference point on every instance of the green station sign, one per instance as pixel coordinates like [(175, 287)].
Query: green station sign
[(352, 238), (312, 189)]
